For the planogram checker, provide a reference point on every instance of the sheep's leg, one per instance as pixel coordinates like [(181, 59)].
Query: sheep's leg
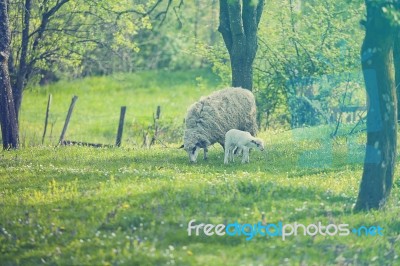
[(226, 158), (205, 153)]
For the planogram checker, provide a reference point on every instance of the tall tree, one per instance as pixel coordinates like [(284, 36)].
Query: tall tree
[(378, 71), (8, 120), (239, 21), (57, 34)]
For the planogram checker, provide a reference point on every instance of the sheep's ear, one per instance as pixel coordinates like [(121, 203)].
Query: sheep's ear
[(181, 147), (201, 144)]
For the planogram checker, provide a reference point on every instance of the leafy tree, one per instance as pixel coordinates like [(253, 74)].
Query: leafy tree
[(51, 35), (172, 44), (305, 65), (61, 34), (311, 51)]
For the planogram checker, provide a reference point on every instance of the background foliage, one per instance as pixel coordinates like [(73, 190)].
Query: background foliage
[(306, 67)]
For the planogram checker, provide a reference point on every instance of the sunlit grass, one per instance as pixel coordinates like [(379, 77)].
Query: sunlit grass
[(96, 114), (77, 205), (131, 206)]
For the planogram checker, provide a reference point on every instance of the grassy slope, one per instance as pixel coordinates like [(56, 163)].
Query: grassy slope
[(74, 205)]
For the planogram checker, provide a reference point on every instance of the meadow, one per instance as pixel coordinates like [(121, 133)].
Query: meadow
[(131, 206), (96, 114)]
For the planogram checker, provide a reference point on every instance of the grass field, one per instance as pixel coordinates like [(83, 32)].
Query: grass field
[(96, 114), (131, 206)]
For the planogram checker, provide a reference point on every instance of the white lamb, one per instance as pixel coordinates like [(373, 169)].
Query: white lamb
[(241, 140)]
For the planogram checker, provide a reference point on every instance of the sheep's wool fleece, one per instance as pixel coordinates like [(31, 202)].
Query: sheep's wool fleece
[(214, 115)]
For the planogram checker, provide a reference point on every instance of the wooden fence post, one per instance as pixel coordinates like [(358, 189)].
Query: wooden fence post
[(71, 108), (120, 126), (47, 118), (156, 117)]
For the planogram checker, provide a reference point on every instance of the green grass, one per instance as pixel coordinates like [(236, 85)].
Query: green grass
[(96, 114), (131, 206)]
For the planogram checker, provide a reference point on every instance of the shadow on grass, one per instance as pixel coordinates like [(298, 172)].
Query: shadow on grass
[(147, 200)]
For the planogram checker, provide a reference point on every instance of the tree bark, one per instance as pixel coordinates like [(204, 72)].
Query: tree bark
[(22, 69), (238, 26), (377, 66), (8, 119), (396, 57)]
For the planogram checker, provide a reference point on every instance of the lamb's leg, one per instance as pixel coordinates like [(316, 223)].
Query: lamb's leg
[(245, 154), (232, 154), (205, 153)]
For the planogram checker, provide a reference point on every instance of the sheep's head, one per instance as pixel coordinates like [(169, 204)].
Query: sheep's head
[(257, 144), (193, 142), (193, 152)]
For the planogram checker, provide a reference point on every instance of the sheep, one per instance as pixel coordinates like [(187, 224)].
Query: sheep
[(212, 116), (242, 140)]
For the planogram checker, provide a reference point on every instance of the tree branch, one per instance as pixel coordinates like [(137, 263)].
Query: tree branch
[(249, 16), (45, 20), (260, 9), (236, 23), (164, 13), (143, 14), (224, 27)]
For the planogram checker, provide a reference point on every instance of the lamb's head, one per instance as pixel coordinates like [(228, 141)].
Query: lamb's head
[(193, 141), (257, 144)]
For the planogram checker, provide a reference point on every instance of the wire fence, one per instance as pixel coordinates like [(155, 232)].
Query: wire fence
[(97, 128)]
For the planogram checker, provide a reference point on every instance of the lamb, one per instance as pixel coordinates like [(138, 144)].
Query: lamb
[(212, 116), (237, 139)]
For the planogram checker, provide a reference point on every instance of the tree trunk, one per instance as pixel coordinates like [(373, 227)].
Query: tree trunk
[(8, 120), (377, 65), (22, 70), (238, 26), (396, 57), (242, 71)]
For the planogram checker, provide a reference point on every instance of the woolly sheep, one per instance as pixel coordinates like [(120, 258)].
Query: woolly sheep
[(212, 116), (237, 139)]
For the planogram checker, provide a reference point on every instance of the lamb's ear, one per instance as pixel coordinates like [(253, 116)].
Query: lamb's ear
[(181, 147), (255, 142)]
